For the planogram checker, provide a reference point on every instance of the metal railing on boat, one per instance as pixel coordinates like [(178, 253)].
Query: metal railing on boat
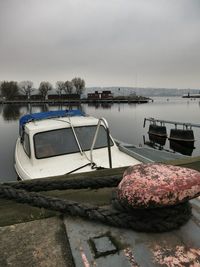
[(108, 140)]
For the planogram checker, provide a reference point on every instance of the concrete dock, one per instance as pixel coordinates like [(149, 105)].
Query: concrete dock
[(36, 243), (31, 236)]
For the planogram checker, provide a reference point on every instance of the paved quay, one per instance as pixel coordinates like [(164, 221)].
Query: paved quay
[(68, 242), (38, 243), (38, 237)]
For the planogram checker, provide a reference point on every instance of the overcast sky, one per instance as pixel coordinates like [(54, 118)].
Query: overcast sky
[(144, 43)]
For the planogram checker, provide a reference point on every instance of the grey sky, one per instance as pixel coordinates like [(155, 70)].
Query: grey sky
[(147, 43)]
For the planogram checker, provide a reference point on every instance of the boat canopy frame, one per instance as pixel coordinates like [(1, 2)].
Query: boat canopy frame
[(108, 141)]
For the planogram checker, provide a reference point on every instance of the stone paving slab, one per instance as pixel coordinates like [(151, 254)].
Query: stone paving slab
[(98, 245), (41, 243)]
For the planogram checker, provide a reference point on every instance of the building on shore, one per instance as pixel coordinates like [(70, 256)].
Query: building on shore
[(100, 95)]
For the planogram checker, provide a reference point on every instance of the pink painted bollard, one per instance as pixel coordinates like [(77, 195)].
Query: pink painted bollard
[(157, 185)]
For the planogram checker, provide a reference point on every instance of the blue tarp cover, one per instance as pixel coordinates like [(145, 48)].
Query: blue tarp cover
[(47, 115)]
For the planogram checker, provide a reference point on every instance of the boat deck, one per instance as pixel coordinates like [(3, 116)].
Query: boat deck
[(147, 155)]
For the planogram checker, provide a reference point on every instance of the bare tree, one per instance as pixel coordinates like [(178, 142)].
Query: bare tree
[(44, 88), (26, 87), (69, 87), (9, 90), (60, 87), (79, 85)]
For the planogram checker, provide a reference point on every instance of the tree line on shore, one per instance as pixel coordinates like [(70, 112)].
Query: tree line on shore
[(9, 90)]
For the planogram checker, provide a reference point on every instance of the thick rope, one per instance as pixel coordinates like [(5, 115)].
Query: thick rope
[(146, 220), (78, 183)]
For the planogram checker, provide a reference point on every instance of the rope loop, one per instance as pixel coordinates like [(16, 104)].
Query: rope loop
[(116, 214)]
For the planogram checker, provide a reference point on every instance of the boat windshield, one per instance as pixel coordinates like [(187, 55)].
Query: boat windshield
[(62, 141)]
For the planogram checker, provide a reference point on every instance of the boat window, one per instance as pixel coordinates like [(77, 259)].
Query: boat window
[(26, 144), (55, 143), (62, 141), (86, 135)]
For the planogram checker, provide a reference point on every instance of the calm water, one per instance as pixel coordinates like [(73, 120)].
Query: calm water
[(125, 121)]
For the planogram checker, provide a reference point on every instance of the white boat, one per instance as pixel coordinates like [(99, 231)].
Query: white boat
[(62, 142)]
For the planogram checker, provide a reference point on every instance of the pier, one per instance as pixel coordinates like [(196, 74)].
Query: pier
[(75, 101)]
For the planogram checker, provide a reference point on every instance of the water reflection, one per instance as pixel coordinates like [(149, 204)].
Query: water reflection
[(185, 148), (47, 107), (159, 140), (155, 141), (1, 108), (11, 112), (97, 105), (106, 105), (44, 107)]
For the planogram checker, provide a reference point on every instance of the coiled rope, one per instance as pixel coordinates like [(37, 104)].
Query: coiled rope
[(147, 220)]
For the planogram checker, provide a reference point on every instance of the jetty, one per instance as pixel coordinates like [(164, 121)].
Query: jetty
[(77, 101), (189, 95), (101, 98), (40, 236)]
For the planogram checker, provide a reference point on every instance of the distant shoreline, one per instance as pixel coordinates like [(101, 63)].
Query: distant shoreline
[(80, 101)]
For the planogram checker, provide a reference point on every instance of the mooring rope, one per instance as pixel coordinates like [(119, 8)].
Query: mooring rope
[(57, 184), (147, 220)]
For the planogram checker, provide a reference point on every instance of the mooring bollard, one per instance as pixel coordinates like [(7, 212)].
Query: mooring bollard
[(157, 195), (155, 185)]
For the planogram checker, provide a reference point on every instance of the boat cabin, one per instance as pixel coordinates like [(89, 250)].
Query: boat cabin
[(59, 142)]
